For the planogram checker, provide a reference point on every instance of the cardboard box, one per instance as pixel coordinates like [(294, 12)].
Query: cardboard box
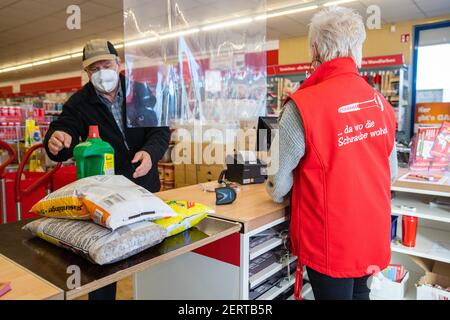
[(436, 273), (180, 175), (391, 290), (191, 174), (210, 173)]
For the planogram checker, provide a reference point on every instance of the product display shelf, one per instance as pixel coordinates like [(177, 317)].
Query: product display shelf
[(267, 272), (424, 210), (265, 247), (278, 289), (307, 293), (394, 86), (429, 244), (432, 191), (273, 243), (432, 242)]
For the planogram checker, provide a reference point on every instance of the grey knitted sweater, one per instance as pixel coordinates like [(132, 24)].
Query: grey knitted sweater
[(291, 151)]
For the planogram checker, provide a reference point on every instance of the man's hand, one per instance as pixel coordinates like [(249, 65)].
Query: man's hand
[(146, 164), (58, 141)]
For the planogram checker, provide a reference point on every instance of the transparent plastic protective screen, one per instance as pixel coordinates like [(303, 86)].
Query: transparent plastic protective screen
[(194, 61)]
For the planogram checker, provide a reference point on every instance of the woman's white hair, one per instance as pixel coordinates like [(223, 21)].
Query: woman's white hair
[(337, 32)]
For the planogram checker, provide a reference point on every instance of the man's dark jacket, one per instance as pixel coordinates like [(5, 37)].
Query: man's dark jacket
[(84, 109)]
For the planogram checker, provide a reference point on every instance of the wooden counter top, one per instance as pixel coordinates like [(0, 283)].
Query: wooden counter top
[(51, 263), (253, 206), (25, 284)]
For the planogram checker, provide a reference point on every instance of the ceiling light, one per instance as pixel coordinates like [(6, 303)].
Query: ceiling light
[(141, 41), (225, 24), (24, 66), (9, 69), (61, 58), (179, 33), (162, 37), (38, 63), (338, 2), (285, 12)]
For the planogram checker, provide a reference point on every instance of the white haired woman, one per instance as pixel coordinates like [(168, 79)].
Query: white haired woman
[(337, 154)]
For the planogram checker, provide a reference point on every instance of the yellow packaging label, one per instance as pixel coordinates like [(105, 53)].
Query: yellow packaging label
[(61, 205), (189, 214), (108, 167)]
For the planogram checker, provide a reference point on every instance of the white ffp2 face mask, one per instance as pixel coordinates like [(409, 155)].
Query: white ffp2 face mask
[(105, 80)]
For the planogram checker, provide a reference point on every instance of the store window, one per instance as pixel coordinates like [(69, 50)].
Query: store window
[(431, 85)]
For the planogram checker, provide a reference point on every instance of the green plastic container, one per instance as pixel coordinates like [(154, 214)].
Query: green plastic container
[(94, 156)]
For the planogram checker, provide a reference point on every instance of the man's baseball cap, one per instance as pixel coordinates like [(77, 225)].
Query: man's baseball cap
[(98, 50)]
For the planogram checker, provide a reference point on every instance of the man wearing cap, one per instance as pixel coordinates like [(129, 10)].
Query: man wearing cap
[(101, 102)]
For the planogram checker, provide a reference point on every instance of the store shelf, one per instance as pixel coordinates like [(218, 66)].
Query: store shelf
[(267, 272), (277, 290), (423, 191), (423, 209), (394, 98), (265, 247), (307, 293), (427, 241), (422, 188), (52, 113)]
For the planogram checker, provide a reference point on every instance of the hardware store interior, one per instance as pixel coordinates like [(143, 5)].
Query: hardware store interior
[(224, 149)]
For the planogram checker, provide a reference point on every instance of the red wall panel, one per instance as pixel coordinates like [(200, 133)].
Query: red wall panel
[(73, 83)]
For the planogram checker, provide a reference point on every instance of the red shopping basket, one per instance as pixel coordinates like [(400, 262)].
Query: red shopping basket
[(26, 194), (12, 157), (64, 176)]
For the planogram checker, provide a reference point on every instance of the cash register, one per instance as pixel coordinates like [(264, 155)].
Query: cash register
[(244, 167)]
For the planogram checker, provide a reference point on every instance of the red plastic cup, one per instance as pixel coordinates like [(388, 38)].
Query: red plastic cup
[(409, 231)]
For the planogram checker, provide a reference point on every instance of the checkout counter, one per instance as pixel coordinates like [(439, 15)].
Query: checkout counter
[(209, 261), (219, 270)]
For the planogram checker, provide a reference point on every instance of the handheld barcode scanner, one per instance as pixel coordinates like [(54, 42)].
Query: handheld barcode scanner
[(226, 194)]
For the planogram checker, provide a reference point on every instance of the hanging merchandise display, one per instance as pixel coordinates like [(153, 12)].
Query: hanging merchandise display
[(185, 65), (430, 151), (392, 83), (33, 137)]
